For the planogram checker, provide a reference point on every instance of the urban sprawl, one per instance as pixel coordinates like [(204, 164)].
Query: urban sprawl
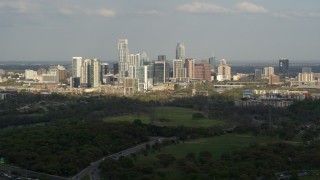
[(136, 73)]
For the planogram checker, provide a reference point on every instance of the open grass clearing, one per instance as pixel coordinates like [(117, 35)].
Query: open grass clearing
[(215, 145), (169, 116)]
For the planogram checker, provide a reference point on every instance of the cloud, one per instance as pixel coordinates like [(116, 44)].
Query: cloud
[(201, 7), (67, 10), (152, 12), (249, 7), (105, 12), (76, 10), (281, 15), (18, 6), (307, 14), (294, 15)]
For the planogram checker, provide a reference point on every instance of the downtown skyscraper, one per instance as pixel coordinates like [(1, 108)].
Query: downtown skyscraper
[(94, 73), (180, 52), (283, 68), (76, 66), (123, 51)]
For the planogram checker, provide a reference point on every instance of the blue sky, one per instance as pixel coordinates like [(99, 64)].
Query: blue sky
[(252, 30)]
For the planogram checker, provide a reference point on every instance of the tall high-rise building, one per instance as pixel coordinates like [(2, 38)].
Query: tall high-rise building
[(116, 68), (123, 51), (150, 74), (141, 77), (180, 52), (161, 72), (132, 72), (162, 58), (268, 71), (104, 71), (145, 59), (189, 65), (212, 62), (179, 71), (283, 68), (224, 71), (104, 68), (94, 73), (76, 66), (134, 60), (202, 70), (84, 79)]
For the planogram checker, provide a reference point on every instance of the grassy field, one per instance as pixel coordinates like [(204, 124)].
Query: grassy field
[(169, 116), (215, 145)]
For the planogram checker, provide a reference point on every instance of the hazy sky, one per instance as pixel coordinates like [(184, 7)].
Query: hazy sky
[(253, 30)]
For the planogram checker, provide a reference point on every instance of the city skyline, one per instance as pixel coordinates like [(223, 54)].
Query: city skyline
[(255, 30)]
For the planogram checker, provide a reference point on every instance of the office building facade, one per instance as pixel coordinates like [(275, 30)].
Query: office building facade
[(202, 70), (257, 73), (180, 52), (94, 73), (283, 68), (161, 72), (123, 52), (224, 71), (179, 72), (268, 71), (189, 65), (76, 66), (212, 62)]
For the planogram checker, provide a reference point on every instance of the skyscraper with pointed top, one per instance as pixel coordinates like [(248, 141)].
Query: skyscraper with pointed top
[(180, 52)]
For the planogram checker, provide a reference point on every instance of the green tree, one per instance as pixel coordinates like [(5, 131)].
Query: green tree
[(166, 159)]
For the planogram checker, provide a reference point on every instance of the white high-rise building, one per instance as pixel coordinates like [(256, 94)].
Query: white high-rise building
[(142, 77), (76, 66), (84, 72), (268, 71), (123, 51), (94, 73), (178, 69), (224, 71), (180, 52), (134, 60)]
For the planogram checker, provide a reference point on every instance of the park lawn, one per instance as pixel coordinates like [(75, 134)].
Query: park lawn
[(177, 116), (215, 145), (169, 116)]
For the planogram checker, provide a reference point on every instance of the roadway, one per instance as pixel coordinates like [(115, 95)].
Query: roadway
[(93, 170), (29, 174)]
